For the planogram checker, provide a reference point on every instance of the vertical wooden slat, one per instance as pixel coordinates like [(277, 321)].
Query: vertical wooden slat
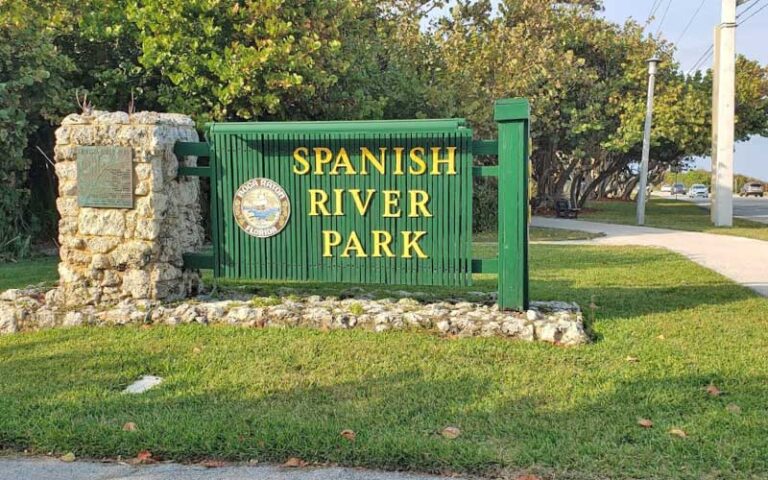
[(238, 165), (259, 245), (432, 242), (227, 177), (292, 227), (284, 240), (269, 256), (468, 199), (216, 223)]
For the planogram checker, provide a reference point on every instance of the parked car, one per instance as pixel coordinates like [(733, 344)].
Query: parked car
[(678, 189), (698, 190), (666, 188), (752, 188)]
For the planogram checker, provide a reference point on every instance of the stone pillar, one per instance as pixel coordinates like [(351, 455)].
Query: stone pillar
[(111, 254)]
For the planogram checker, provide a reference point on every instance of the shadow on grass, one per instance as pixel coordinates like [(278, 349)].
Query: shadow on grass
[(298, 408), (628, 282), (615, 303)]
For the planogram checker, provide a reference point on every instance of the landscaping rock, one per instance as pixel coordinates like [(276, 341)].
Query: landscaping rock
[(559, 323), (8, 322)]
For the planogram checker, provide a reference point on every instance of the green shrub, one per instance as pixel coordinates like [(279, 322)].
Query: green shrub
[(31, 93)]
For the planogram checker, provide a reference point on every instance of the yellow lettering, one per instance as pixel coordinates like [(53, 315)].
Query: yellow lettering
[(398, 161), (450, 161), (418, 200), (342, 160), (411, 242), (362, 208), (391, 199), (377, 163), (354, 244), (331, 239), (317, 201), (323, 156), (381, 241), (338, 200), (418, 160), (302, 159)]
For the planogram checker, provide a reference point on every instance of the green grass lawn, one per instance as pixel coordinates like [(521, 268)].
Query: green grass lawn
[(241, 394), (671, 213), (28, 272)]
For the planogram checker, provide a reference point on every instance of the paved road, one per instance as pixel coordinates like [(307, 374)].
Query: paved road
[(53, 469), (750, 208), (743, 260)]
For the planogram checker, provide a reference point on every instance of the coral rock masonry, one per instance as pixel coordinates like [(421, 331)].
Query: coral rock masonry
[(559, 323), (112, 254)]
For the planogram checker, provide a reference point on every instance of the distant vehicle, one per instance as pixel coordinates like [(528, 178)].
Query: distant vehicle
[(752, 188), (698, 190), (666, 188), (678, 189)]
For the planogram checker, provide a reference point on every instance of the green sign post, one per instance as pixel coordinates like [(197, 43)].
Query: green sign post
[(387, 202)]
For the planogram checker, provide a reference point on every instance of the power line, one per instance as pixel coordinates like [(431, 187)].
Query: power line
[(709, 51), (754, 13), (663, 17), (690, 22), (754, 2), (654, 7), (702, 59)]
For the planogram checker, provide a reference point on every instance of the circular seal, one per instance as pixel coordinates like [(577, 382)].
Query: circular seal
[(261, 207)]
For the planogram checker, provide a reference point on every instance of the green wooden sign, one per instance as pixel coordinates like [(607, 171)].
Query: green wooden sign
[(387, 202)]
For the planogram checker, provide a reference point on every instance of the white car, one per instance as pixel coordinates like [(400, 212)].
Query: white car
[(698, 190), (752, 188)]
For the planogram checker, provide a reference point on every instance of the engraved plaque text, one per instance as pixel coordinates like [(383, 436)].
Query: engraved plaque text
[(105, 177)]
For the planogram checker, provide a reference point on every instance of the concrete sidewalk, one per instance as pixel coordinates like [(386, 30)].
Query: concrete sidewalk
[(53, 469), (743, 260)]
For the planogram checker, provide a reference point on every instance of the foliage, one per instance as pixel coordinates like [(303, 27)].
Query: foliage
[(353, 59), (238, 59), (688, 178), (31, 90), (485, 198)]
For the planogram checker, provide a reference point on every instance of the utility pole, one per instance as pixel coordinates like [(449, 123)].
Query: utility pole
[(652, 64), (723, 106)]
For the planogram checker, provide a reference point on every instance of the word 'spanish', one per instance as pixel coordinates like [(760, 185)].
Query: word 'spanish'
[(323, 161)]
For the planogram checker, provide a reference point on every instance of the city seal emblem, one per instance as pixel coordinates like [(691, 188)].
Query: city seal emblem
[(261, 207)]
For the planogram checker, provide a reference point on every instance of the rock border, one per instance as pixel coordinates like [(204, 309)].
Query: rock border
[(559, 323)]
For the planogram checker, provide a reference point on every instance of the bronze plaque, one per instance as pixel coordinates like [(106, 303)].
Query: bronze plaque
[(105, 177)]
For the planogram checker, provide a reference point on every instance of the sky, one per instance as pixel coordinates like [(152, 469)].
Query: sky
[(671, 19), (751, 158)]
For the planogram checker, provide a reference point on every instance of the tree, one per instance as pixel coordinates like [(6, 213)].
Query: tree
[(31, 95), (586, 79), (240, 60)]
